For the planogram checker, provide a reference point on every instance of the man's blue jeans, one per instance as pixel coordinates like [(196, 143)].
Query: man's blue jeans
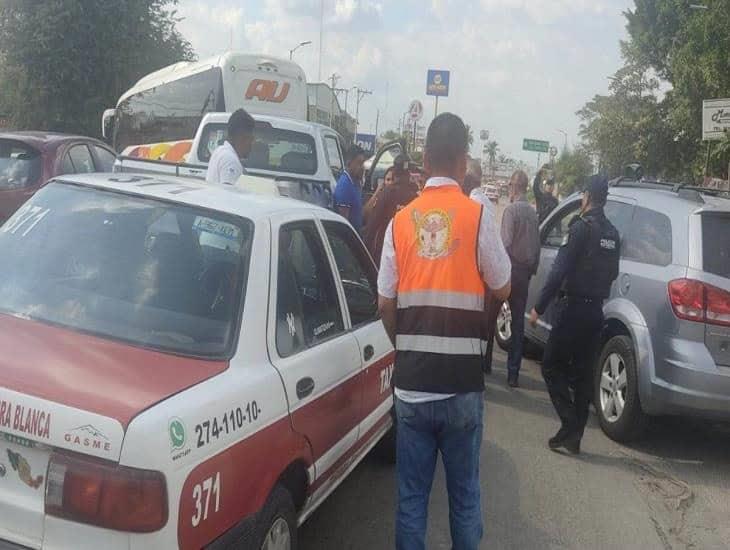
[(454, 427)]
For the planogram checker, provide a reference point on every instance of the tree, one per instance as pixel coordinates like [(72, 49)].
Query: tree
[(391, 135), (571, 169), (62, 62), (491, 148), (469, 135)]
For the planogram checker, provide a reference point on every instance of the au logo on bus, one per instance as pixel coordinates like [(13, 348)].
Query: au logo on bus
[(266, 90)]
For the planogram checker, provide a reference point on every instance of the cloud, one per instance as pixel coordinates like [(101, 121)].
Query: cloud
[(520, 68)]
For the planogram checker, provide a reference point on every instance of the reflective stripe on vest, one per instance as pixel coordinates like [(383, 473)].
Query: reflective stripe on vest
[(438, 344), (441, 298)]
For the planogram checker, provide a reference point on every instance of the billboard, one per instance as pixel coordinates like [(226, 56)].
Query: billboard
[(437, 83), (715, 118), (367, 142)]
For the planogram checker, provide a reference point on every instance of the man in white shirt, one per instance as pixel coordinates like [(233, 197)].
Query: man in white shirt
[(225, 162), (438, 254)]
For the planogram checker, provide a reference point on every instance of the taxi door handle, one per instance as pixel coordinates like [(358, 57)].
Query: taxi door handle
[(305, 387), (368, 352)]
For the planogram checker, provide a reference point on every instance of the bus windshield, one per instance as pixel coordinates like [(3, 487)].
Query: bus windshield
[(170, 111)]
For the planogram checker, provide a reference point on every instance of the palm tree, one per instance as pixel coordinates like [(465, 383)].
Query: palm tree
[(491, 148)]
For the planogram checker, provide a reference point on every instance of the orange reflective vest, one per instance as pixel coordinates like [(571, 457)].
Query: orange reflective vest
[(440, 293)]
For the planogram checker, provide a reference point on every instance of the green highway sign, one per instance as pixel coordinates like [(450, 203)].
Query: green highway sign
[(536, 145)]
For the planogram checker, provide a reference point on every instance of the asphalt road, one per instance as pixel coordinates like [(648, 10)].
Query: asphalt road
[(672, 491)]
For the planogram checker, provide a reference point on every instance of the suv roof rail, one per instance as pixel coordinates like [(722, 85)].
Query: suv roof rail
[(684, 190)]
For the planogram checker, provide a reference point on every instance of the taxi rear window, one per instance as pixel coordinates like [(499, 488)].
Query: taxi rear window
[(155, 274)]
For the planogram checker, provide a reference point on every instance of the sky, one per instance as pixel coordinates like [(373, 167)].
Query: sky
[(519, 68)]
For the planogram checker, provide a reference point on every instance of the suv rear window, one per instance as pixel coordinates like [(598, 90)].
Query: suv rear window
[(273, 149), (20, 165), (715, 244), (155, 274)]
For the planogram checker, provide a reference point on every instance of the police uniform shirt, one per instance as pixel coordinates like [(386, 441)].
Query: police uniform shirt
[(575, 245), (224, 165)]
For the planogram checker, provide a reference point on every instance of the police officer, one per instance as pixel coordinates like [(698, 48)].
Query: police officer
[(582, 274)]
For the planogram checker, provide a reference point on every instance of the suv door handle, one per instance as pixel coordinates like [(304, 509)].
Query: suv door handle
[(368, 352), (305, 387)]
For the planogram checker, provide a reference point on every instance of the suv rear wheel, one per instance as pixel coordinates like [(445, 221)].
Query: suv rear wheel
[(616, 396), (503, 331)]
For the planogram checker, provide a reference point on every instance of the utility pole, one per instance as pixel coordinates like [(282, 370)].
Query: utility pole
[(377, 120), (346, 91), (360, 94), (333, 79), (321, 27)]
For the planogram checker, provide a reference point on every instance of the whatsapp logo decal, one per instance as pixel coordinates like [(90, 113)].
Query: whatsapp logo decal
[(177, 433)]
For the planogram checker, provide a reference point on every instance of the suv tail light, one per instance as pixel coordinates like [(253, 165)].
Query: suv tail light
[(106, 495), (696, 301)]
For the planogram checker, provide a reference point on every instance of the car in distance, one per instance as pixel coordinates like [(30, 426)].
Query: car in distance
[(29, 159), (196, 365), (665, 348)]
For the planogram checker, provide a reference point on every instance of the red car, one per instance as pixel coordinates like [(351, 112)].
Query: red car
[(29, 159)]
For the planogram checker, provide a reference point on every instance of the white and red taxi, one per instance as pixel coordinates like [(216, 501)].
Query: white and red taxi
[(183, 365)]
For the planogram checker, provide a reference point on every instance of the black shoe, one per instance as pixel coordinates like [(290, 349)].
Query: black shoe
[(512, 381), (570, 442), (557, 440)]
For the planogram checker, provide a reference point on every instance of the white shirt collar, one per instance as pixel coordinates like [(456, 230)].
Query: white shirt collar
[(440, 182)]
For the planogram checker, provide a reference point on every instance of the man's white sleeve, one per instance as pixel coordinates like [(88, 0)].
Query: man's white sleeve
[(388, 274), (230, 172), (494, 263)]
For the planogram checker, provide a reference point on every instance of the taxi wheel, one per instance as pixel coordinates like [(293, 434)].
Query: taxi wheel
[(503, 329), (278, 523)]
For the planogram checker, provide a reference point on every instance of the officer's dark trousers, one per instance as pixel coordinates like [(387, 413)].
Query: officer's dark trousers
[(517, 305), (569, 358)]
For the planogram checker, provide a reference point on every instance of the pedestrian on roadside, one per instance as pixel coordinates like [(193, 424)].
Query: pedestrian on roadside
[(225, 163), (473, 188), (438, 253), (521, 238), (393, 197), (545, 200), (348, 192), (586, 266)]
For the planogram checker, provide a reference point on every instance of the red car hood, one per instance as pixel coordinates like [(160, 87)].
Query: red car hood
[(83, 372)]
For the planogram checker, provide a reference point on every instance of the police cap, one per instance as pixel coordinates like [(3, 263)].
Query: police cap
[(597, 188)]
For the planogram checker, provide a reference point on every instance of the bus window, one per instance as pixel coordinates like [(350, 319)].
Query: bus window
[(169, 112)]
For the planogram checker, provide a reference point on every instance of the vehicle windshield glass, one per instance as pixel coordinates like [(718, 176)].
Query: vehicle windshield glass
[(155, 274), (273, 149), (716, 251), (20, 165)]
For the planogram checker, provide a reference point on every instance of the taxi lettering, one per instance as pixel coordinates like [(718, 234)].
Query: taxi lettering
[(27, 420)]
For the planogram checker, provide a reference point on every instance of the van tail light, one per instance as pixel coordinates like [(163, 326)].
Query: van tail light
[(106, 495), (696, 301)]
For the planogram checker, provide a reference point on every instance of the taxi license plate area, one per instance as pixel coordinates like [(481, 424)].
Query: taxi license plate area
[(23, 467)]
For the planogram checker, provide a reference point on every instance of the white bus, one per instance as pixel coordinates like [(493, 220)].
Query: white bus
[(158, 117)]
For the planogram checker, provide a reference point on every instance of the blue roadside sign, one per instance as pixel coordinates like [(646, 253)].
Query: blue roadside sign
[(367, 142), (437, 83)]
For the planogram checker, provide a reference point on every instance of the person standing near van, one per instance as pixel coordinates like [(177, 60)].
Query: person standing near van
[(545, 200), (521, 238), (586, 266), (438, 254), (225, 163), (348, 192)]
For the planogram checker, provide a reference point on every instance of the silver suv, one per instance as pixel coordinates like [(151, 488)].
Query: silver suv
[(665, 348)]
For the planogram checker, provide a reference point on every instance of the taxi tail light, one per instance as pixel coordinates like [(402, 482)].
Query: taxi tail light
[(106, 495), (696, 301)]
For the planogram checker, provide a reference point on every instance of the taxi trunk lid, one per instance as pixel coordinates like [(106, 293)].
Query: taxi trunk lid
[(65, 391)]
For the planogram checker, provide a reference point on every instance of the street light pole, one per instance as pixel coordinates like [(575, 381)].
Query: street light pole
[(565, 135), (295, 48), (360, 94)]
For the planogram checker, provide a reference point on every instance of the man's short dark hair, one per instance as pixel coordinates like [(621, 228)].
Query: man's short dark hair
[(353, 152), (446, 141), (240, 124)]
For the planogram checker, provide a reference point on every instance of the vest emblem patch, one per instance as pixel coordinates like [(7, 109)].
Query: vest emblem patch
[(434, 234)]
